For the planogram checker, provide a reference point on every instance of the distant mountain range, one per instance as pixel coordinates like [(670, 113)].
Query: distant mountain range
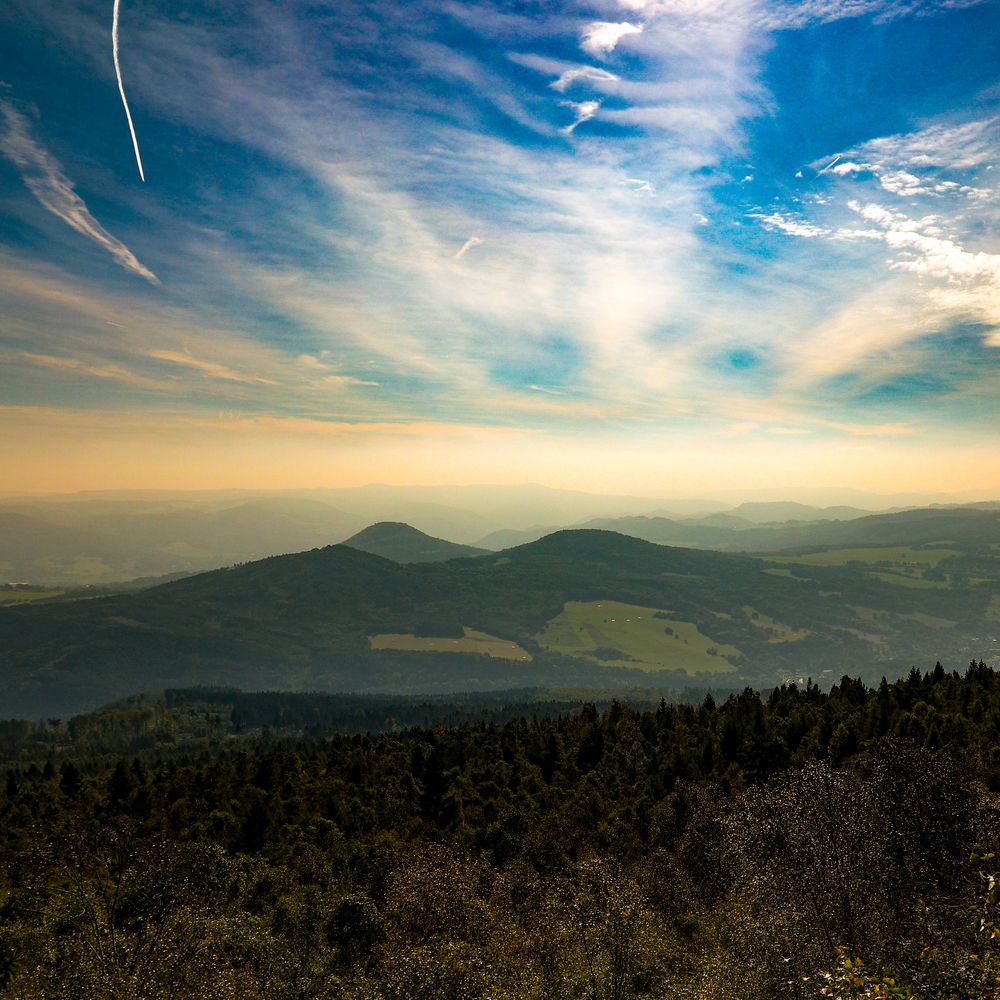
[(583, 607), (729, 533), (101, 539)]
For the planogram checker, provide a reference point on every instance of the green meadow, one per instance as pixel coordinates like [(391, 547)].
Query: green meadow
[(472, 642), (629, 635)]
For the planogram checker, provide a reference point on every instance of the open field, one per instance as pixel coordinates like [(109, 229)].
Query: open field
[(897, 555), (598, 630), (472, 642)]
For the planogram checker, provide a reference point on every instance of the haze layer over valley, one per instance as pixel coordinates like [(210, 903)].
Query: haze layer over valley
[(114, 536)]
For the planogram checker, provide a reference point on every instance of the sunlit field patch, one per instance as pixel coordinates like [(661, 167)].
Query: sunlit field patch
[(897, 555), (628, 635)]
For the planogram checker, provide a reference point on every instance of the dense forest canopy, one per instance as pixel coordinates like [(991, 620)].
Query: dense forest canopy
[(790, 846)]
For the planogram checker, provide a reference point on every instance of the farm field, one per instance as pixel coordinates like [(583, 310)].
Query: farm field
[(628, 635), (472, 642), (897, 555)]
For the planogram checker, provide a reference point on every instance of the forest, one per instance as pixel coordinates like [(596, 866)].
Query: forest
[(790, 845)]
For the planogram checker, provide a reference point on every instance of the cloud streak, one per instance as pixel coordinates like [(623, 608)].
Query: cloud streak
[(472, 241), (44, 177)]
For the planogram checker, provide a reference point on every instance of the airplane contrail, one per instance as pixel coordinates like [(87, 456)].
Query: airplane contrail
[(830, 164), (121, 88)]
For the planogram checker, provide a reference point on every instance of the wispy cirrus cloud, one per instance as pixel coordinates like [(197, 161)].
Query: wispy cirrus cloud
[(586, 74), (211, 368), (566, 74), (654, 268), (941, 273), (44, 177), (472, 241)]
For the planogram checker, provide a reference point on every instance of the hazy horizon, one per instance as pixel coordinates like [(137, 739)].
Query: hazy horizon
[(808, 496)]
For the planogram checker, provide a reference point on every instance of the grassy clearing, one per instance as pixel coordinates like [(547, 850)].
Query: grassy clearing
[(598, 630), (900, 555), (778, 632), (472, 642)]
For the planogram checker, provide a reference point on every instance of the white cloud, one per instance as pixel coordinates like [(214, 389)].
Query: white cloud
[(566, 73), (44, 177), (781, 222), (955, 285), (910, 165), (958, 147), (584, 111), (600, 38), (848, 167), (902, 183), (590, 74)]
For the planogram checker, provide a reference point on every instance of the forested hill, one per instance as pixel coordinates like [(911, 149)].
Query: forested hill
[(404, 544), (583, 608), (766, 849)]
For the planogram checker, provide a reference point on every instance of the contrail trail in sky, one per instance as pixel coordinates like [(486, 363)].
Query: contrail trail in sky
[(121, 88), (823, 171)]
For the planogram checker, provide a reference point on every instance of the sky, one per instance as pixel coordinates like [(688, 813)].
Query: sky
[(652, 246)]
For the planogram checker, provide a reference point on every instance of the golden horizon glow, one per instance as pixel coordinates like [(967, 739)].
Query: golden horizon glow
[(46, 450)]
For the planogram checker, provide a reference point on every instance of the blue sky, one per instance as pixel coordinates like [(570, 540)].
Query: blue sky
[(645, 244)]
